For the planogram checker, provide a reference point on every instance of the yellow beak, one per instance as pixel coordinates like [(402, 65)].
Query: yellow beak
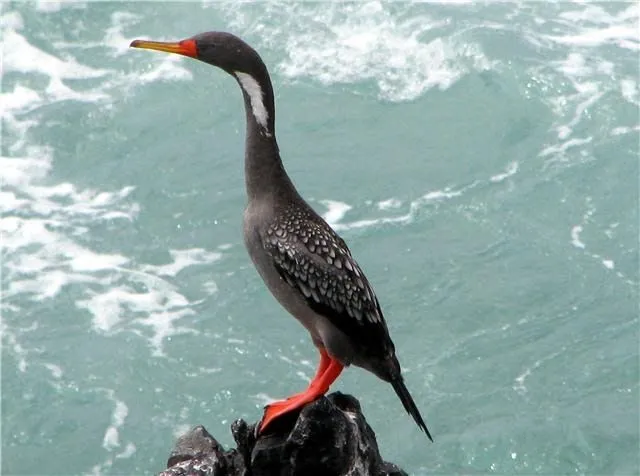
[(184, 47)]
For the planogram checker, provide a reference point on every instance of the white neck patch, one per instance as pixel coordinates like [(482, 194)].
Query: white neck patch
[(253, 89)]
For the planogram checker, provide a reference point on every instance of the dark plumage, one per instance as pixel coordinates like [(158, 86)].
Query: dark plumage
[(317, 263), (304, 263)]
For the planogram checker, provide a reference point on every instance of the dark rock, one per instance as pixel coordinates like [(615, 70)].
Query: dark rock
[(329, 437)]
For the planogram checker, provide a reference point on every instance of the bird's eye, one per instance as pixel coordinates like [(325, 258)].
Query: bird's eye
[(206, 48)]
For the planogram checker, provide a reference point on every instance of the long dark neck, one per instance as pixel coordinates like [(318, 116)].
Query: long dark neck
[(264, 173)]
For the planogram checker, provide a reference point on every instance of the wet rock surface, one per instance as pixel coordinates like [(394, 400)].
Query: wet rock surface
[(328, 437)]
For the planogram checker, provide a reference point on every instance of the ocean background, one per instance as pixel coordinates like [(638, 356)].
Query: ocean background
[(481, 160)]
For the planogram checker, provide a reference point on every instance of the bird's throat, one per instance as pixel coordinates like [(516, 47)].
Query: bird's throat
[(264, 172)]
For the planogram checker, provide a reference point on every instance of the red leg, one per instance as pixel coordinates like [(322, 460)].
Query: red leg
[(318, 387), (325, 360), (321, 385)]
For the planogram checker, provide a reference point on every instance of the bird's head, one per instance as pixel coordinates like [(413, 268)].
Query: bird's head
[(230, 53), (221, 49)]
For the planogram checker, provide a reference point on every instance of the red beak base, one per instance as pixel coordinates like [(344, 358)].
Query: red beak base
[(184, 47)]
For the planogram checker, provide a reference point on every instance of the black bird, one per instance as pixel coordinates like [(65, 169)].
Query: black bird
[(304, 263)]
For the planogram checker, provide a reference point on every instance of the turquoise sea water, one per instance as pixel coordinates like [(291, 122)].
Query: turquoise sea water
[(480, 159)]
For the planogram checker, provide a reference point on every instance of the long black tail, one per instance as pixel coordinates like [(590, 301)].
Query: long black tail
[(409, 405)]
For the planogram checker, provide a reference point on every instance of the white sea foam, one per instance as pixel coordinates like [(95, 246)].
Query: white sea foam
[(402, 67), (588, 80), (559, 152), (334, 217), (578, 243), (575, 237), (348, 43), (20, 100), (389, 204), (629, 90), (57, 214), (114, 36), (10, 341), (45, 223), (153, 67), (49, 6), (592, 14), (262, 399), (183, 259), (56, 370), (609, 264), (53, 254), (21, 56), (512, 169), (625, 36), (617, 131), (593, 25), (210, 287), (111, 438), (578, 229), (127, 452), (335, 211), (519, 382), (153, 313), (111, 441), (167, 69)]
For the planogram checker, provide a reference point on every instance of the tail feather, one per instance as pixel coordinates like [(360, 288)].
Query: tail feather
[(409, 405)]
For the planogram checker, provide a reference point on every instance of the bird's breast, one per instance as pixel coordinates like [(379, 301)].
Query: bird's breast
[(288, 297)]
